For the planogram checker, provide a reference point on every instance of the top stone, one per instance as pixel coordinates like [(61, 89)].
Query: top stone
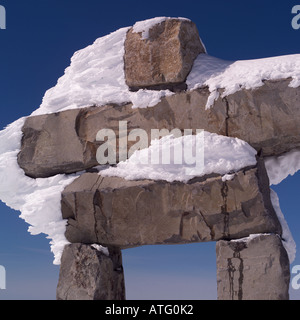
[(159, 53)]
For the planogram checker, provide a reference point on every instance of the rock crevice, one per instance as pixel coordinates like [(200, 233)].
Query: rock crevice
[(252, 269)]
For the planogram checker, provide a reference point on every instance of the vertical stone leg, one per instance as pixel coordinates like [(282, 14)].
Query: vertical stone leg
[(89, 274), (254, 268)]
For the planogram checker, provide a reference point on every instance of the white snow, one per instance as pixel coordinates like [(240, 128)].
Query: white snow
[(147, 98), (251, 237), (37, 199), (228, 177), (96, 77), (287, 238), (248, 74), (281, 167), (145, 25), (101, 249), (222, 155)]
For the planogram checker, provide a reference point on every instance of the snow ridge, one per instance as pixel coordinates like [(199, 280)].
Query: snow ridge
[(37, 199), (145, 25), (221, 156), (248, 74), (281, 167)]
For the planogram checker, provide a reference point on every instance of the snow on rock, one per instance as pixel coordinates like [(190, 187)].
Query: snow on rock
[(248, 74), (228, 177), (96, 77), (147, 98), (37, 199), (251, 237), (101, 249), (222, 155), (146, 25), (287, 238), (281, 167)]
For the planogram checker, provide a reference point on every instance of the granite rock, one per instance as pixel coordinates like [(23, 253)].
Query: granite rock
[(256, 268), (88, 274), (114, 211), (165, 58)]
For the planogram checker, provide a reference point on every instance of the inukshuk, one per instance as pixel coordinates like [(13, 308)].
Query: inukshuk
[(107, 210)]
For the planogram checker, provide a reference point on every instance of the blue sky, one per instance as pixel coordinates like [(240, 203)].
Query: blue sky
[(36, 47)]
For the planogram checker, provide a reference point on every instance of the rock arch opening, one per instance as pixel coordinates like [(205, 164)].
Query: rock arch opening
[(178, 272)]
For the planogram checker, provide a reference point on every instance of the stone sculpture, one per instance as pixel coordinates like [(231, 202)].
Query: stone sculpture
[(119, 214)]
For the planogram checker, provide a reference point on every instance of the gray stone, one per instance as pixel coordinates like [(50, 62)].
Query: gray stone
[(114, 211), (87, 274), (164, 60), (267, 118), (50, 145), (256, 269)]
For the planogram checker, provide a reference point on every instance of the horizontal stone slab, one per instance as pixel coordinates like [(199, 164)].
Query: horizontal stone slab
[(256, 268), (114, 211), (50, 146), (267, 118)]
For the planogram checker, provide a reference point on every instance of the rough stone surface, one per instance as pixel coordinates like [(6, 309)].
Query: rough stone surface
[(87, 274), (50, 145), (267, 118), (257, 269), (164, 59), (111, 210)]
